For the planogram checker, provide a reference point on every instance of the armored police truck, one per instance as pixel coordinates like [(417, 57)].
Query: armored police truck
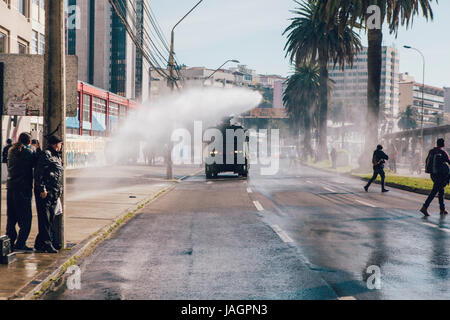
[(228, 153)]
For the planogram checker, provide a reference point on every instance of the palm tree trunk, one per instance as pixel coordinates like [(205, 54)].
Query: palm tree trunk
[(374, 64), (323, 104), (307, 136)]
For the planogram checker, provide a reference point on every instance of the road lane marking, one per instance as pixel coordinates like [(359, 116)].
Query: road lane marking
[(249, 190), (430, 225), (209, 182), (329, 189), (366, 203), (258, 206), (347, 298), (282, 234)]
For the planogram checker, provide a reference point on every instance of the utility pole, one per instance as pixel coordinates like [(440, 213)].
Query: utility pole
[(55, 88), (171, 84)]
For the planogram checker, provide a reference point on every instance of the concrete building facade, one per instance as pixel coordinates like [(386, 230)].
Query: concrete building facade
[(447, 105), (22, 26), (434, 104), (350, 86), (197, 76), (278, 92), (269, 80), (22, 31)]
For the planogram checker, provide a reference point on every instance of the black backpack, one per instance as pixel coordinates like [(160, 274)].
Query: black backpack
[(435, 164), (375, 160)]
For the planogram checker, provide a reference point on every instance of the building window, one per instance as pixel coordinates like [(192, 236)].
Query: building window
[(23, 7), (41, 43), (99, 106), (34, 43), (123, 111), (87, 108), (23, 46), (3, 42), (113, 109)]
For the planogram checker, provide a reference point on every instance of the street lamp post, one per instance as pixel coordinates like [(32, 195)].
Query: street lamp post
[(423, 95), (210, 76), (171, 83)]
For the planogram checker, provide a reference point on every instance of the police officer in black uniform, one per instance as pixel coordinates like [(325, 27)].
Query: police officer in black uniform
[(378, 159), (21, 161), (48, 189)]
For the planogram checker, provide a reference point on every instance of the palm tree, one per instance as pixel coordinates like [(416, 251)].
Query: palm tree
[(439, 118), (300, 100), (396, 13), (312, 39), (408, 119), (339, 115)]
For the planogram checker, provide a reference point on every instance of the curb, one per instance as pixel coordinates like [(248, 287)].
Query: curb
[(388, 184), (406, 188), (31, 291)]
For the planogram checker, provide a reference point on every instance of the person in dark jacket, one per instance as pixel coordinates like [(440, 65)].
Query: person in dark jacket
[(21, 161), (5, 151), (48, 188), (378, 160), (36, 146), (5, 160), (438, 159)]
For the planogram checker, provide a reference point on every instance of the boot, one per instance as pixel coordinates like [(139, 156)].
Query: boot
[(48, 248), (424, 210)]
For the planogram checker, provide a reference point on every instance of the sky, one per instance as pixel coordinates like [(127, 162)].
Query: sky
[(251, 32)]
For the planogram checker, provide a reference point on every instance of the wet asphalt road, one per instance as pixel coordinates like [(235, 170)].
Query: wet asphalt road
[(302, 234)]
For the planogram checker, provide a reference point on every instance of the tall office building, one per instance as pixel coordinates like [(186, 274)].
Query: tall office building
[(107, 56), (350, 86)]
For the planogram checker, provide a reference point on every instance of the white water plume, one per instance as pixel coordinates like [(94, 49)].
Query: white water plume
[(152, 123)]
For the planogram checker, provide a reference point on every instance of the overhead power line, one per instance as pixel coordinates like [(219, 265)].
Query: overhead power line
[(146, 34)]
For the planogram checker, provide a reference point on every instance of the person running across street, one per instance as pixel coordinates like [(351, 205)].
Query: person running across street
[(378, 160), (437, 166), (48, 189), (21, 161)]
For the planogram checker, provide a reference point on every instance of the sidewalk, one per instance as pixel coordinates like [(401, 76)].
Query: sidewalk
[(95, 198)]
